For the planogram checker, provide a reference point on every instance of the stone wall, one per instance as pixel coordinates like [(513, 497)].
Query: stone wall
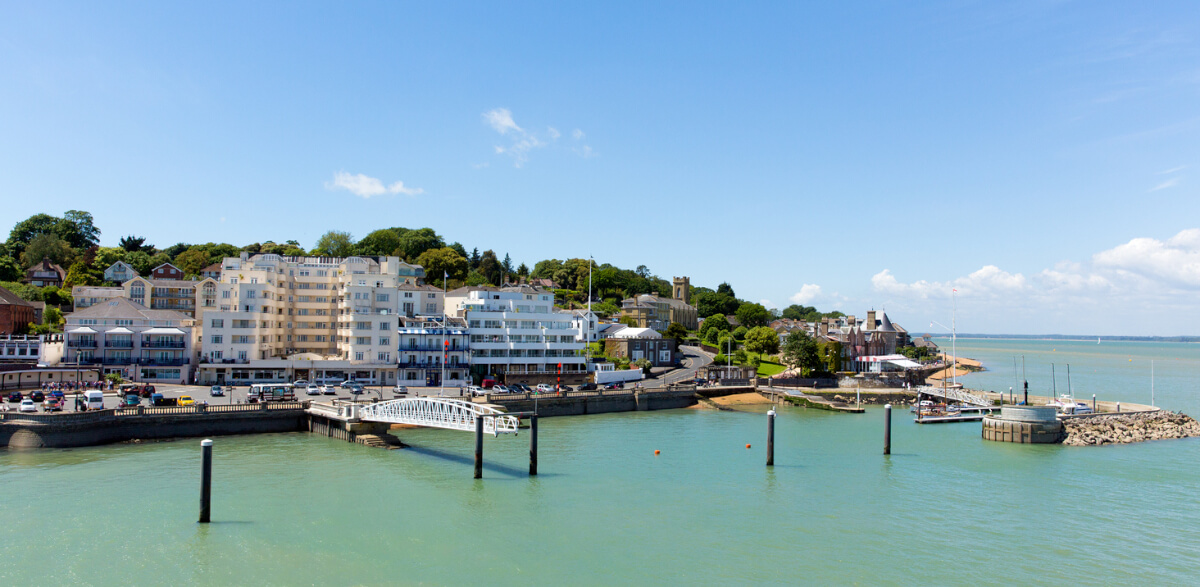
[(1021, 432), (74, 432), (1127, 428), (576, 405)]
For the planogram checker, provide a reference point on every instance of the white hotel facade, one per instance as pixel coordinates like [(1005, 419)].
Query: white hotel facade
[(516, 334), (316, 318)]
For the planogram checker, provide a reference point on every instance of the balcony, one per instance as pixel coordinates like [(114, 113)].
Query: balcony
[(118, 344), (162, 362), (85, 343), (162, 344)]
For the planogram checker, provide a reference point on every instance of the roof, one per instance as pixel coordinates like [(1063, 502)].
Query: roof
[(46, 265), (126, 308), (214, 268), (636, 333), (83, 291), (10, 298), (885, 325)]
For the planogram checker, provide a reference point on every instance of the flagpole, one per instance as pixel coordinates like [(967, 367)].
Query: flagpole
[(445, 276)]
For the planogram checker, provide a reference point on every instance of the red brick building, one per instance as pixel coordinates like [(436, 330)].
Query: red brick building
[(15, 313), (166, 271)]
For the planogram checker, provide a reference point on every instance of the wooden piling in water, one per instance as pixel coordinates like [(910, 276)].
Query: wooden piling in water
[(771, 438), (533, 445), (478, 447), (887, 429), (205, 480)]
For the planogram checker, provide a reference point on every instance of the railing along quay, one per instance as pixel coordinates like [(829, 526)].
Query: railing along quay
[(135, 411), (525, 396)]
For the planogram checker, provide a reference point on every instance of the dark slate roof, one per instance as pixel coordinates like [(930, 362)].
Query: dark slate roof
[(10, 298)]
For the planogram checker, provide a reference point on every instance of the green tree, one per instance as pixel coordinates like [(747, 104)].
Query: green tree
[(9, 269), (77, 228), (415, 242), (26, 230), (192, 261), (710, 302), (628, 321), (133, 243), (53, 318), (79, 274), (678, 332), (106, 256), (762, 340), (726, 289), (178, 248), (644, 364), (438, 262), (523, 270), (334, 243), (140, 261), (798, 312), (48, 246), (489, 266), (507, 265), (381, 242), (739, 333), (717, 322), (800, 350), (751, 314), (458, 248), (475, 278), (475, 259)]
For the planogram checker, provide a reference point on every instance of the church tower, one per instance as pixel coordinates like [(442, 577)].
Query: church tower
[(682, 289)]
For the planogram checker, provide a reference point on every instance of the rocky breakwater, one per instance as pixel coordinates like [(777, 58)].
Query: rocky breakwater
[(1127, 428)]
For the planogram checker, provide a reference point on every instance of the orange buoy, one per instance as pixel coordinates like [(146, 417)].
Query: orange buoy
[(747, 446), (656, 452)]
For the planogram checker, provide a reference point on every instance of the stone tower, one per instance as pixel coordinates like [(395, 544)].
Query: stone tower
[(682, 289)]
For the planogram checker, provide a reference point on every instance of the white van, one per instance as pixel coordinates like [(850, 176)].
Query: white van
[(94, 399)]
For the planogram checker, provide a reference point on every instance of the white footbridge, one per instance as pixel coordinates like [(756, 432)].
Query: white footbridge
[(434, 412), (955, 394)]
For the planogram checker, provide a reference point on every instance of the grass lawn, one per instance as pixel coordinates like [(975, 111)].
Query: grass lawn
[(768, 368)]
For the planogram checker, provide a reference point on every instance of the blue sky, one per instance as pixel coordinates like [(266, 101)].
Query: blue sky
[(1039, 157)]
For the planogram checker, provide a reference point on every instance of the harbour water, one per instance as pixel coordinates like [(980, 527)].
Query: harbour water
[(944, 508)]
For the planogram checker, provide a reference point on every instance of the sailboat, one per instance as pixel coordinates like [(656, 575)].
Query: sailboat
[(1097, 340)]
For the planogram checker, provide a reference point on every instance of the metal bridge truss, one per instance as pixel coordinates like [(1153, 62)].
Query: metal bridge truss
[(452, 414), (955, 395)]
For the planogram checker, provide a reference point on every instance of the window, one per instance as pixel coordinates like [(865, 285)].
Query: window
[(408, 294), (358, 356), (225, 294), (242, 355), (384, 357), (218, 323), (362, 340), (384, 340), (431, 296), (381, 297), (217, 355), (431, 308), (217, 339)]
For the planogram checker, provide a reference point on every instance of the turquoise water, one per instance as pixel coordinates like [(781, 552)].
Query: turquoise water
[(945, 508), (1113, 371)]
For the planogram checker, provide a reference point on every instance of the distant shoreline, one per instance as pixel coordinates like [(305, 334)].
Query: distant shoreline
[(1079, 338)]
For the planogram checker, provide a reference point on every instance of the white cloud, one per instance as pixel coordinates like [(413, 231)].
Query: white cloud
[(808, 292), (1175, 262), (524, 142), (1170, 183), (1172, 170), (501, 120), (366, 186), (988, 281)]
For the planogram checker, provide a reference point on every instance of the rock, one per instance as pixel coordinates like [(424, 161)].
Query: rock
[(1128, 428)]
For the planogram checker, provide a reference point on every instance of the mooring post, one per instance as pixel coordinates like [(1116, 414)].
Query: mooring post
[(205, 480), (1118, 406), (771, 438), (1026, 393), (1093, 403), (887, 429), (478, 447), (533, 445), (1010, 396)]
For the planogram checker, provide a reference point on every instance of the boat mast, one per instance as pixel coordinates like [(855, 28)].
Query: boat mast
[(1069, 390), (1026, 379), (954, 337), (1053, 382), (1151, 382)]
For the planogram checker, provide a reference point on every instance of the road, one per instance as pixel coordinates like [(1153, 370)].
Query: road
[(693, 360), (200, 393)]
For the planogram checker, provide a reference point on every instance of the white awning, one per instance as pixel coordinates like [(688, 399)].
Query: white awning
[(163, 331), (905, 363), (119, 330), (82, 330)]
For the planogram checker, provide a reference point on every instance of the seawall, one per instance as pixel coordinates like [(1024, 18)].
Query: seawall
[(627, 400), (108, 426)]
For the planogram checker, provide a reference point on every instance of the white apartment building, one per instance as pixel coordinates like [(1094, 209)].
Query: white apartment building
[(317, 318), (516, 333), (424, 345), (123, 336)]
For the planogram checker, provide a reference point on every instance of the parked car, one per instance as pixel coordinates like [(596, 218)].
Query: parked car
[(93, 399), (488, 383), (476, 391), (215, 391), (587, 387), (399, 390), (37, 396), (312, 390), (186, 400), (58, 394), (131, 400), (499, 389), (301, 383), (52, 405), (565, 388), (545, 388), (328, 390), (27, 405), (347, 384), (158, 400), (617, 385), (356, 389), (15, 397)]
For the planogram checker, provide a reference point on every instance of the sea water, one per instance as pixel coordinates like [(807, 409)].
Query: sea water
[(944, 508)]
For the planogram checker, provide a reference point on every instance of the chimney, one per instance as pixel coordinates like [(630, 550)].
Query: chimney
[(871, 320), (850, 321), (824, 327)]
